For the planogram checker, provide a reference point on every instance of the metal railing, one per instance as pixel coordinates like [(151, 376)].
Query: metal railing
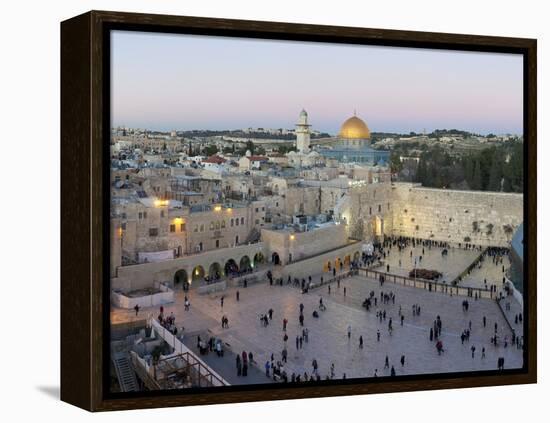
[(428, 285)]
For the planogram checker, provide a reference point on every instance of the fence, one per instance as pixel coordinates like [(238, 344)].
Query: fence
[(429, 285), (205, 372)]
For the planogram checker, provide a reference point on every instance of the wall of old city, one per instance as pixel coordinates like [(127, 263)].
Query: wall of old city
[(483, 218)]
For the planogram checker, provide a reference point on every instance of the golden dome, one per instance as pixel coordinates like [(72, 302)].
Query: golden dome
[(354, 128)]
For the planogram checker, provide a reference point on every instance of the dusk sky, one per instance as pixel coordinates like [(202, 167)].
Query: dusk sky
[(184, 82)]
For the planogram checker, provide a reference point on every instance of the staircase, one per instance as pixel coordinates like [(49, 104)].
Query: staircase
[(125, 373)]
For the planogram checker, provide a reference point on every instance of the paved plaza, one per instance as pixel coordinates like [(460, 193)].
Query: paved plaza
[(451, 265), (328, 340)]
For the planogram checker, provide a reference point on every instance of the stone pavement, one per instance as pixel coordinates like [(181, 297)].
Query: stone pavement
[(486, 270), (450, 266), (328, 341)]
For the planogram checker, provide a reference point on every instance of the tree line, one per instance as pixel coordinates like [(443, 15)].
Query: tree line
[(497, 168)]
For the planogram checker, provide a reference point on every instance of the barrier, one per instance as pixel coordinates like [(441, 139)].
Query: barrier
[(180, 349), (429, 285)]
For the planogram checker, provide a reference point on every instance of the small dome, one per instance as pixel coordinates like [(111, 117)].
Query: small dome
[(354, 128)]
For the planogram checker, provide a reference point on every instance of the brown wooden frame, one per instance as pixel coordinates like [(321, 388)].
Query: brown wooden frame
[(83, 198)]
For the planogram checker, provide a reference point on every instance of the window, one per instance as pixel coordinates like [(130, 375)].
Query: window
[(123, 215), (218, 225), (370, 210), (379, 208), (232, 222), (140, 215), (237, 222), (196, 228), (277, 204), (145, 215), (263, 208), (257, 209), (202, 227), (200, 246), (223, 224), (172, 228), (182, 227), (257, 221), (217, 243), (162, 213), (242, 220), (153, 231), (237, 239), (211, 226), (123, 226)]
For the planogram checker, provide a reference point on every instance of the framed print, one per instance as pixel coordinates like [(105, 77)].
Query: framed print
[(256, 211)]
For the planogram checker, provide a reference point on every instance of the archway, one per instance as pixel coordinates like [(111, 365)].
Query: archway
[(215, 271), (258, 259), (181, 277), (337, 263), (275, 259), (347, 260), (327, 266), (356, 257), (231, 267), (198, 273), (244, 264)]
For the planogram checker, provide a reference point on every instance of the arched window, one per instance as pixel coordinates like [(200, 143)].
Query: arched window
[(223, 224), (232, 221)]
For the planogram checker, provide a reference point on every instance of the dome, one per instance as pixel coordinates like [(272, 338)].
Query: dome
[(354, 128)]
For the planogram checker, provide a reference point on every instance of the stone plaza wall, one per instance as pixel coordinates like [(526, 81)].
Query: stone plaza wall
[(145, 275), (316, 266), (294, 246), (478, 217)]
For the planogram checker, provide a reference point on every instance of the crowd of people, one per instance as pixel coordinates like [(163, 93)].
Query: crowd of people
[(383, 303)]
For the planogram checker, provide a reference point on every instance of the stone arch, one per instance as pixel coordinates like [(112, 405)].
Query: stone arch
[(327, 267), (258, 258), (181, 277), (198, 274), (356, 256), (337, 263), (347, 260), (231, 267), (245, 264), (215, 271), (275, 259)]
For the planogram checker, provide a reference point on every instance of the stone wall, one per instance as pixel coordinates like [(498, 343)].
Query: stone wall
[(294, 246), (483, 218)]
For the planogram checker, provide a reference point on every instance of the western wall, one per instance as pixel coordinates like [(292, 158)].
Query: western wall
[(477, 217)]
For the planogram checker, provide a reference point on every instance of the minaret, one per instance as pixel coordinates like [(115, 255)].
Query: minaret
[(302, 133)]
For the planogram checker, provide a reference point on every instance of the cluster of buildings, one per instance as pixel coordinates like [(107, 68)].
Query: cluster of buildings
[(192, 220)]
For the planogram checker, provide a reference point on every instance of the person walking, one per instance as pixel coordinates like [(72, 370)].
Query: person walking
[(239, 365), (221, 301), (402, 360), (349, 332), (237, 295), (361, 341), (285, 321), (136, 308)]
